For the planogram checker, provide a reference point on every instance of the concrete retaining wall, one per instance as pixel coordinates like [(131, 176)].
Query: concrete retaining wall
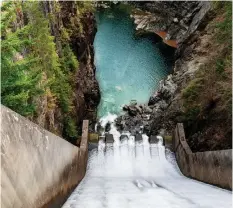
[(38, 168), (213, 167)]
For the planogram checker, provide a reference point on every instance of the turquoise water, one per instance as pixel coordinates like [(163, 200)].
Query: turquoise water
[(127, 68)]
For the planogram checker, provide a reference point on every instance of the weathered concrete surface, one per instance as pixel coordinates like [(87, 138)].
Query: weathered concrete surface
[(122, 137), (153, 139), (39, 169), (213, 167), (138, 137), (109, 138)]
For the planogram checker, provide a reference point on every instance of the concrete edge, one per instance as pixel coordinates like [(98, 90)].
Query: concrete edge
[(212, 167), (69, 176), (73, 173)]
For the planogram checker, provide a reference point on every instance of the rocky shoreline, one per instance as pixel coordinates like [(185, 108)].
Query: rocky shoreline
[(178, 19), (140, 117)]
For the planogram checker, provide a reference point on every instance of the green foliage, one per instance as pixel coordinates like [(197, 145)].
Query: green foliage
[(191, 91), (224, 25), (84, 6), (63, 84), (210, 92), (68, 60), (19, 74), (192, 113), (31, 66), (70, 128), (8, 15), (190, 95), (220, 66), (64, 35), (43, 46)]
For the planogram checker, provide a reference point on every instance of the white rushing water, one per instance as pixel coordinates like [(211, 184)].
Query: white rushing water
[(129, 174)]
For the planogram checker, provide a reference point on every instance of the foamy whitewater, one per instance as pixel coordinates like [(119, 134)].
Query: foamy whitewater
[(129, 174)]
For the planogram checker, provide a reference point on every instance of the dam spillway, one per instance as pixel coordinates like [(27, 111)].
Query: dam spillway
[(50, 71), (139, 174), (129, 172)]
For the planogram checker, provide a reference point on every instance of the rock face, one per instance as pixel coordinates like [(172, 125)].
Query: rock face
[(82, 29), (137, 116), (87, 93), (178, 19), (87, 88), (182, 21), (143, 117)]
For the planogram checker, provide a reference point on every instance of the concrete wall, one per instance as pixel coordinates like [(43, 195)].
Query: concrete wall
[(213, 167), (38, 168)]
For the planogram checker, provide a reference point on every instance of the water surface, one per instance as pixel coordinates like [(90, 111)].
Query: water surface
[(127, 67)]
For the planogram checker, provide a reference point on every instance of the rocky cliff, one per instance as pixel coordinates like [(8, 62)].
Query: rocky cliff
[(48, 70), (189, 95), (178, 19), (79, 21)]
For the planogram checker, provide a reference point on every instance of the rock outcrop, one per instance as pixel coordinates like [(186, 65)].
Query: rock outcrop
[(178, 19)]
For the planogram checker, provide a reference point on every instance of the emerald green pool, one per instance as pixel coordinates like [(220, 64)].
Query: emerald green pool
[(127, 67)]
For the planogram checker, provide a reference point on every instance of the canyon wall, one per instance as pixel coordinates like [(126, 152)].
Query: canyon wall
[(198, 91), (79, 22)]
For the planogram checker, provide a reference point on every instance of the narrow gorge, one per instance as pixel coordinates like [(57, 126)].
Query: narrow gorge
[(116, 104), (128, 67), (175, 85)]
